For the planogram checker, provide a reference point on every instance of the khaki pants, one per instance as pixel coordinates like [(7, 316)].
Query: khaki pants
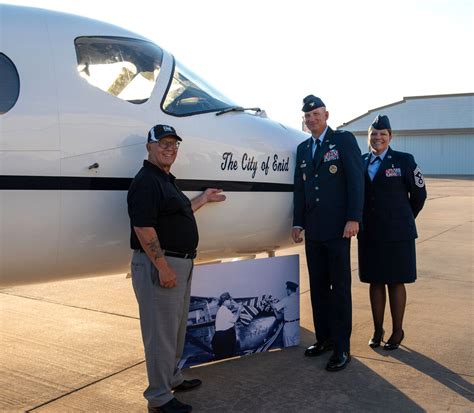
[(291, 333)]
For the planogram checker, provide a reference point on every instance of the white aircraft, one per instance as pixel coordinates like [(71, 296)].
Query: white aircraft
[(77, 98)]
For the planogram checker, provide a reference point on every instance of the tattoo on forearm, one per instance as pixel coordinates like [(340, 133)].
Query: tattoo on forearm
[(155, 248)]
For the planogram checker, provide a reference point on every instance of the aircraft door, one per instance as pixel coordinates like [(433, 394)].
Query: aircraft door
[(105, 86)]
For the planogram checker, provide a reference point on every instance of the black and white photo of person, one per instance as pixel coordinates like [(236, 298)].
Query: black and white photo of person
[(290, 308), (252, 287), (225, 339)]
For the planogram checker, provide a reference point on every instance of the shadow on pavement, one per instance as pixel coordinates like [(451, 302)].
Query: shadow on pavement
[(436, 371), (286, 381)]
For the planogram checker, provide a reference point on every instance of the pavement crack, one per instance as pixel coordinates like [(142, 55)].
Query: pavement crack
[(441, 233), (45, 300), (391, 361), (437, 197), (429, 277), (85, 386)]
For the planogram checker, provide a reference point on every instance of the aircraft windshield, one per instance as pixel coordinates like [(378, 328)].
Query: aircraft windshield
[(125, 68), (188, 94)]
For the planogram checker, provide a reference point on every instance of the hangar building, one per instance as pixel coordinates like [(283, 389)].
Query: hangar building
[(438, 130)]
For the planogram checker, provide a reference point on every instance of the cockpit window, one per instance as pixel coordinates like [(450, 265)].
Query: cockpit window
[(9, 84), (126, 68), (188, 94)]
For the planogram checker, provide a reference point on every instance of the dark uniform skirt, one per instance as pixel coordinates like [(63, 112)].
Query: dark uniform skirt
[(387, 262), (224, 343)]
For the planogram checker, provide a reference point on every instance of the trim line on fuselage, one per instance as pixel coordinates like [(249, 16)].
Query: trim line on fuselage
[(79, 183)]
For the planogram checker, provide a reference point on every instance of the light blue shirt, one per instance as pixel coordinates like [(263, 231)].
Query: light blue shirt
[(374, 167), (320, 139)]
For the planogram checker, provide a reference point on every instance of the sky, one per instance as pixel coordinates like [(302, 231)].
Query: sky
[(248, 278), (354, 55)]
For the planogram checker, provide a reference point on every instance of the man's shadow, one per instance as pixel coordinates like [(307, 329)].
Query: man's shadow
[(433, 369)]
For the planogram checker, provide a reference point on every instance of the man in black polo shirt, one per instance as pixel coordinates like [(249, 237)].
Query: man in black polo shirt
[(164, 237)]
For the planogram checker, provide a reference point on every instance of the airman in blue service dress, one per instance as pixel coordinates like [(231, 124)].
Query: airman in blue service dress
[(395, 193), (328, 201)]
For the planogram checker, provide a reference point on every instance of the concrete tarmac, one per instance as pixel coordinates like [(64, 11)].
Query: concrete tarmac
[(75, 346)]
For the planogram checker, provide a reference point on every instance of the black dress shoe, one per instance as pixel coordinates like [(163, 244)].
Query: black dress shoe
[(173, 406), (187, 385), (391, 345), (375, 341), (318, 348), (338, 361)]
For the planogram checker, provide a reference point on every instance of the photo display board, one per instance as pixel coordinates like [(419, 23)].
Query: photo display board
[(243, 307)]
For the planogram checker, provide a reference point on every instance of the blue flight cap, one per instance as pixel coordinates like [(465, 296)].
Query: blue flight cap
[(291, 285), (381, 122), (312, 102)]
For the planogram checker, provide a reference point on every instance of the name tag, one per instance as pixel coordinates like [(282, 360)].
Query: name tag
[(331, 155), (393, 172)]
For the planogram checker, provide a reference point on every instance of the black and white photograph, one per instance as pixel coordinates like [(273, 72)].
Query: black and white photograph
[(244, 307)]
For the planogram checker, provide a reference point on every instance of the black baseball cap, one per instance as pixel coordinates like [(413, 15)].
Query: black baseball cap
[(160, 131)]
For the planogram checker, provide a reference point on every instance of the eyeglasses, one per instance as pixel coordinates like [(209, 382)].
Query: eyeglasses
[(168, 145)]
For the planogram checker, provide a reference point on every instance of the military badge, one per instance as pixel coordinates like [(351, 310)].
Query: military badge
[(303, 165), (419, 180), (333, 169), (331, 155), (389, 173)]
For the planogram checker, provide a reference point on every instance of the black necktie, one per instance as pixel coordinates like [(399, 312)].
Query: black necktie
[(316, 151), (375, 160)]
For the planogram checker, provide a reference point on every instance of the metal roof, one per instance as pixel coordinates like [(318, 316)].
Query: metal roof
[(434, 114)]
